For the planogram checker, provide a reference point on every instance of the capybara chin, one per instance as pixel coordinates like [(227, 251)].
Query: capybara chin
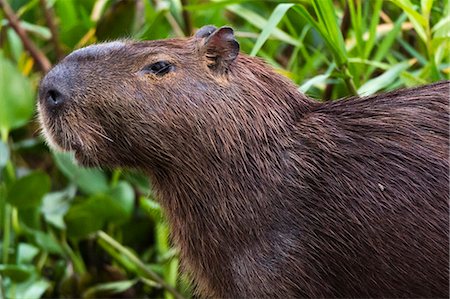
[(269, 194)]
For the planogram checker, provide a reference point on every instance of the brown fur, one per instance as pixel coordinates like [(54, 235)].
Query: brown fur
[(268, 193)]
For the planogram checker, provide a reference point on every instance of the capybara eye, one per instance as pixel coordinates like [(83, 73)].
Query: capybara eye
[(159, 68)]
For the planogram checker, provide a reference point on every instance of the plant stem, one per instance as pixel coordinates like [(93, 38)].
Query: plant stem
[(78, 264), (6, 230), (348, 79), (187, 19), (13, 20), (150, 274), (4, 206), (50, 20), (115, 177)]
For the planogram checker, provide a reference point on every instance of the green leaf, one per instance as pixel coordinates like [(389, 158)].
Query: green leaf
[(387, 42), (419, 22), (442, 28), (16, 97), (26, 253), (151, 207), (90, 180), (4, 154), (55, 205), (32, 288), (272, 23), (327, 17), (41, 31), (336, 48), (82, 219), (46, 242), (375, 19), (17, 273), (90, 215), (109, 288), (383, 80), (27, 192), (425, 6), (258, 21), (15, 43), (122, 201), (30, 217), (319, 79)]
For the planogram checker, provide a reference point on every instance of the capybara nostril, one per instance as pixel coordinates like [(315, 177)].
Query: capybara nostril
[(54, 98)]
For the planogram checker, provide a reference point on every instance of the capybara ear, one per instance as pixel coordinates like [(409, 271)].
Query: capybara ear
[(205, 31), (220, 49)]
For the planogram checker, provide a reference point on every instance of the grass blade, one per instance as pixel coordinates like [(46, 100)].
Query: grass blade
[(326, 16), (259, 22), (272, 23), (384, 80), (419, 21)]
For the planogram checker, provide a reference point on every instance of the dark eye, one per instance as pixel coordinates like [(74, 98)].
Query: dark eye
[(159, 68)]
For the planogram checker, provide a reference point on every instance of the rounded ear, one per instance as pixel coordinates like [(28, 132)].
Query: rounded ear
[(205, 31), (220, 48)]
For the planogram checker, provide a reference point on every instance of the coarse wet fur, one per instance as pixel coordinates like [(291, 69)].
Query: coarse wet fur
[(268, 193)]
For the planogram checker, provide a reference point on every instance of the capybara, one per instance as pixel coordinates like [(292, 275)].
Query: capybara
[(269, 194)]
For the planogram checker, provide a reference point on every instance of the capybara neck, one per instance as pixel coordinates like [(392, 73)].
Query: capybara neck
[(224, 176)]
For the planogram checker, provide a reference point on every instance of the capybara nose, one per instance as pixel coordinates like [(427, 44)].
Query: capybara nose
[(55, 89), (54, 98)]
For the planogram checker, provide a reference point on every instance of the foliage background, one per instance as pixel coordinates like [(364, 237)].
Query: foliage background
[(67, 231)]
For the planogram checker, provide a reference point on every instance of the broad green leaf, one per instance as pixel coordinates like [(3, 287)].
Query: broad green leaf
[(122, 197), (27, 192), (89, 215), (4, 154), (17, 273), (384, 80), (33, 288), (30, 218), (55, 205), (82, 219), (26, 253), (151, 207), (138, 180), (16, 97), (90, 180), (272, 23), (15, 43), (46, 242)]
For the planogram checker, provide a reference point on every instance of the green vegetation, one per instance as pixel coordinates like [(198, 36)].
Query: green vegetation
[(67, 231)]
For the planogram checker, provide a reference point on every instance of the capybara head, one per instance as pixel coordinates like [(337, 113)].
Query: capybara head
[(129, 103)]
